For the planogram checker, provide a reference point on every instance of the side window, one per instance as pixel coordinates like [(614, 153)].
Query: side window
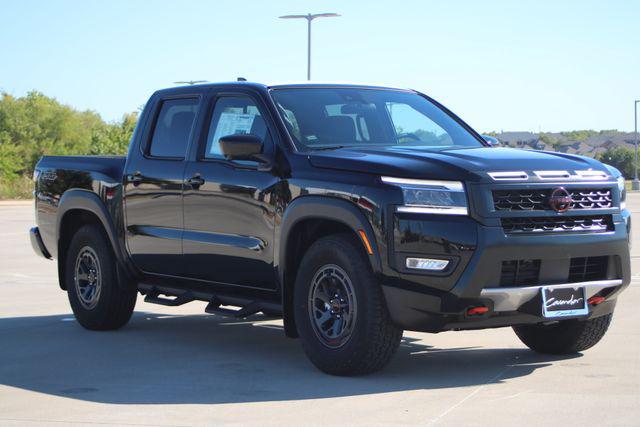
[(173, 128), (231, 116), (413, 126)]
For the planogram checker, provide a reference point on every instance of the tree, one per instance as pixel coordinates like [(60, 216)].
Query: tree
[(36, 125), (114, 138), (621, 158), (549, 139), (580, 135)]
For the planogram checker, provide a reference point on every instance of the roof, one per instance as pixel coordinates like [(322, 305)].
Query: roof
[(330, 84), (291, 84)]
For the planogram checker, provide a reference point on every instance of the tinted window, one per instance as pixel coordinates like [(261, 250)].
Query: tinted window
[(335, 117), (411, 125), (232, 116), (173, 128), (358, 122)]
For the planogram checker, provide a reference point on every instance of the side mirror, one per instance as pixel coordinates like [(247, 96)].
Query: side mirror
[(242, 147), (493, 142)]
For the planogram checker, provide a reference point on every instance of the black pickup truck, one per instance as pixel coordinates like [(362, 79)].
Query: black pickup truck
[(354, 212)]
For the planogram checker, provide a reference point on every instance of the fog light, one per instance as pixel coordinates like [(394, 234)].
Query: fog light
[(427, 264)]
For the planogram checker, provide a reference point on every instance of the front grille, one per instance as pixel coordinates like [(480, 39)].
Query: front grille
[(588, 268), (557, 224), (523, 272), (537, 199)]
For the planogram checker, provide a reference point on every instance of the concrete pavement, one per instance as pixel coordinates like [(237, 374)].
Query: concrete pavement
[(178, 366)]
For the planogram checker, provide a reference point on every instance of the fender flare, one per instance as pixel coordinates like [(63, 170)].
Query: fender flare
[(85, 200), (319, 207), (330, 208)]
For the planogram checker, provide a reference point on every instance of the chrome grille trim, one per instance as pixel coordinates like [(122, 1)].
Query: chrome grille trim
[(546, 175), (590, 174), (509, 176), (550, 175)]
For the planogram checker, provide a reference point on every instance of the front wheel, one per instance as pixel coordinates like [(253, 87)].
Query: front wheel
[(340, 312), (564, 337), (98, 300)]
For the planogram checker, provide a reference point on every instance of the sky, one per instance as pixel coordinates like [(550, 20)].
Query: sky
[(500, 65)]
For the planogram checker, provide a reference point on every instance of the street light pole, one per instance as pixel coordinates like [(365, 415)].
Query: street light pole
[(310, 17), (635, 185)]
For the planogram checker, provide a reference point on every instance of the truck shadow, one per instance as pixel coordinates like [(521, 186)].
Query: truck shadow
[(160, 359)]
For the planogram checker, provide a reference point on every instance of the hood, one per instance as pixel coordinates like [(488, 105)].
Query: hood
[(455, 164)]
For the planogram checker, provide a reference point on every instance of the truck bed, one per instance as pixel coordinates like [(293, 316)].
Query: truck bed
[(55, 175)]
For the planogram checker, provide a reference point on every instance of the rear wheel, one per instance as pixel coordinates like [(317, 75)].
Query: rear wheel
[(97, 299), (340, 311), (564, 337)]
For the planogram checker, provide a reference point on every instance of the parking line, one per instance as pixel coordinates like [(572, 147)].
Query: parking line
[(470, 395)]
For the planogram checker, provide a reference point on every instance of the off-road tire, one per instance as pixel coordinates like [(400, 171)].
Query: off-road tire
[(115, 303), (564, 337), (374, 338)]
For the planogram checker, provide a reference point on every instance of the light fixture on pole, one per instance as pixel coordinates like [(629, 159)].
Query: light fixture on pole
[(635, 185), (310, 17), (190, 82)]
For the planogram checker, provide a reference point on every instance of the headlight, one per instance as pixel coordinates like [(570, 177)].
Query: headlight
[(425, 196), (623, 192)]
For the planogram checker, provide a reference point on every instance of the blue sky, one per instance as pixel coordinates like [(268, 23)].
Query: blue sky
[(511, 65)]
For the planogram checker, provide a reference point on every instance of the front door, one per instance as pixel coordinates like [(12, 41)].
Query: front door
[(153, 188), (229, 207)]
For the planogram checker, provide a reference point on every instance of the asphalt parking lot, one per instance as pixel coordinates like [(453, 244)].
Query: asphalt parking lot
[(179, 366)]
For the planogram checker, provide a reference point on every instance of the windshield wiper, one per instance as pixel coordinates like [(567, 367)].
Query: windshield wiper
[(332, 147)]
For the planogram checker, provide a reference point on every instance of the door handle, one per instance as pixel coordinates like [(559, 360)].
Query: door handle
[(196, 181), (135, 178)]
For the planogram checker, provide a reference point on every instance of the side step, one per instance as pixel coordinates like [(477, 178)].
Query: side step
[(155, 298), (171, 297), (214, 307)]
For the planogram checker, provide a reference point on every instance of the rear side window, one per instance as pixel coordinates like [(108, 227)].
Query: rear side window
[(173, 128)]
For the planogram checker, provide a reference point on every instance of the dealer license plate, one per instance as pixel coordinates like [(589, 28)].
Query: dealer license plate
[(563, 302)]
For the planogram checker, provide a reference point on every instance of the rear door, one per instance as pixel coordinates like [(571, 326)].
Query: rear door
[(154, 186), (229, 206)]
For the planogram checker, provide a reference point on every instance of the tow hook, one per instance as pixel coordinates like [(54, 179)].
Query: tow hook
[(477, 311), (595, 300)]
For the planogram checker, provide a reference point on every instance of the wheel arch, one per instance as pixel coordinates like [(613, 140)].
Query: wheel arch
[(76, 209), (325, 215)]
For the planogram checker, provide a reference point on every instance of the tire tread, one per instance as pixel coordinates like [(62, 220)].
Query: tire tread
[(383, 336), (116, 303), (565, 337)]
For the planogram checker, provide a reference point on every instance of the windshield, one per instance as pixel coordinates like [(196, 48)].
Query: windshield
[(326, 118)]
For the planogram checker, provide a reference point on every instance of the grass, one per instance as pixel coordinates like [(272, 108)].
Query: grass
[(19, 188)]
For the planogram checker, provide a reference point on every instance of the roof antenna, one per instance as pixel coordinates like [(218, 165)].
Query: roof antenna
[(242, 79)]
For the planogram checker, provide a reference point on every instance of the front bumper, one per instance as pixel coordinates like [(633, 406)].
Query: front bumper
[(426, 313), (37, 244), (434, 303)]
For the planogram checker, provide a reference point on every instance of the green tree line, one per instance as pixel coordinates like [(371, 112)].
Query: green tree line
[(36, 125), (621, 158)]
